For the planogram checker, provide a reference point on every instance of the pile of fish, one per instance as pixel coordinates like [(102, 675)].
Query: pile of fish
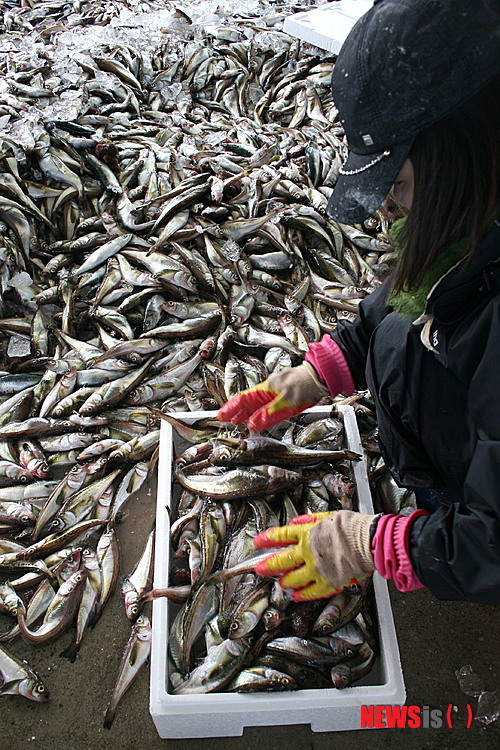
[(163, 244), (236, 631)]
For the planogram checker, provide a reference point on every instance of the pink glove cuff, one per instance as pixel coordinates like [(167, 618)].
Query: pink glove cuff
[(390, 550), (328, 360)]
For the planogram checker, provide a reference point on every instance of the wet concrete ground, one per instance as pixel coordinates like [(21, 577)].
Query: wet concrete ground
[(435, 639)]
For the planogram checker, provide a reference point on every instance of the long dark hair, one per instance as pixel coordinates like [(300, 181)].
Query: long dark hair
[(456, 189)]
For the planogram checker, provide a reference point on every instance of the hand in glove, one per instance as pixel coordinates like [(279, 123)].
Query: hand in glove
[(323, 553), (283, 395)]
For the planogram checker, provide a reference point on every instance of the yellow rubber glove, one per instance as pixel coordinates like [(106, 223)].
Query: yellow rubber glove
[(283, 395), (324, 553)]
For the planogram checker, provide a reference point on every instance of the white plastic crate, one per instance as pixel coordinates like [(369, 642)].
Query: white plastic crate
[(227, 714), (327, 26)]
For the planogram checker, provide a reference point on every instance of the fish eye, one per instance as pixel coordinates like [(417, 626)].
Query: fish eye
[(354, 588), (234, 626), (23, 478)]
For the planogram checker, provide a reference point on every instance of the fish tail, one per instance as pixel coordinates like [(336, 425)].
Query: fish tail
[(71, 652), (109, 717)]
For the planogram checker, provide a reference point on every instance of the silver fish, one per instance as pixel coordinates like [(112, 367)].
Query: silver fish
[(134, 657)]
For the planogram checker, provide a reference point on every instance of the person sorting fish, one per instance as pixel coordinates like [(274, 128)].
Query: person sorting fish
[(417, 88)]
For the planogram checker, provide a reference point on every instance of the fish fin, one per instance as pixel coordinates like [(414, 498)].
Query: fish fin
[(8, 687), (94, 619), (71, 652)]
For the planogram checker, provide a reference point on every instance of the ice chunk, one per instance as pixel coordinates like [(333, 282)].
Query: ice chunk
[(255, 93), (20, 280), (470, 682), (19, 347), (271, 40), (231, 250), (171, 93), (68, 71), (488, 708), (213, 139)]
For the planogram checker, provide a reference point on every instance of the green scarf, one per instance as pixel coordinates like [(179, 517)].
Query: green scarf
[(411, 303)]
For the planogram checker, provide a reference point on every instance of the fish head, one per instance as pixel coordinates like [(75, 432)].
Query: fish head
[(39, 468), (33, 689), (132, 605), (10, 601), (225, 450), (76, 580), (341, 676), (271, 618), (58, 524), (143, 628), (89, 558)]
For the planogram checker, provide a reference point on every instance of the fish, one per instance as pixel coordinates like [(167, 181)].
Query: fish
[(247, 565), (90, 597), (189, 623), (20, 679), (60, 612), (134, 657), (240, 483), (218, 669), (345, 674), (340, 609), (108, 556), (308, 651), (260, 678), (230, 452), (139, 581)]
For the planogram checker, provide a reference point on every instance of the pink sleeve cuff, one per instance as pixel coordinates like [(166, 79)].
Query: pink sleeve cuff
[(390, 550), (328, 360)]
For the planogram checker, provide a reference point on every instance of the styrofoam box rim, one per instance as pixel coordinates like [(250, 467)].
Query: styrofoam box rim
[(327, 26), (227, 714)]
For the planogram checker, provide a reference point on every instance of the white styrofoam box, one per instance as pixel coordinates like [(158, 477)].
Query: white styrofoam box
[(227, 714), (327, 26)]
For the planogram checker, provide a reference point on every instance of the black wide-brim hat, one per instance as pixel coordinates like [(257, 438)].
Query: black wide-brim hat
[(405, 65)]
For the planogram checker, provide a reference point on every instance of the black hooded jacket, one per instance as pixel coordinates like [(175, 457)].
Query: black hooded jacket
[(436, 386)]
